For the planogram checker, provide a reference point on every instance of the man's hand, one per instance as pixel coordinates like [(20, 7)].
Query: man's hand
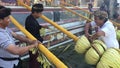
[(90, 38), (45, 26), (35, 43), (87, 35)]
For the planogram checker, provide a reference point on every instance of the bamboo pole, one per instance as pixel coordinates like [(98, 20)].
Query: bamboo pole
[(115, 23), (52, 58), (75, 13), (69, 34), (75, 7)]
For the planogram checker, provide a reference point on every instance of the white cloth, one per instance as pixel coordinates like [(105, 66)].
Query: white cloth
[(110, 34)]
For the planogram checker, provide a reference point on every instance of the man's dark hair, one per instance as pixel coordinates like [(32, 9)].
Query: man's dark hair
[(37, 8), (4, 12)]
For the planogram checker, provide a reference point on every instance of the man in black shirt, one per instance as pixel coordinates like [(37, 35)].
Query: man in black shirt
[(32, 25)]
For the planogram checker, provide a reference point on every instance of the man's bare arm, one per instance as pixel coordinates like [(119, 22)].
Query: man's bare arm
[(21, 38), (21, 50), (87, 27), (98, 34)]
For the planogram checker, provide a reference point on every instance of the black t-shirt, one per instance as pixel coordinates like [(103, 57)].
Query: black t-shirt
[(32, 25)]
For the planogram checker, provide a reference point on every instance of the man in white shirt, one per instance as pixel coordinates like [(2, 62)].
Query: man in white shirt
[(103, 30)]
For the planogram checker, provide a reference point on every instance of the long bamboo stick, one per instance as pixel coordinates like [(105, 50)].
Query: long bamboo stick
[(64, 3), (115, 23), (75, 13), (52, 58), (69, 34)]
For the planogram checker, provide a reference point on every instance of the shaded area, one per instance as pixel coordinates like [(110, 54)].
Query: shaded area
[(70, 57), (67, 55)]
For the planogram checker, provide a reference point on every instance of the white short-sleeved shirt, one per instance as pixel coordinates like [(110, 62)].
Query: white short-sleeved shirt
[(110, 34), (6, 39)]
